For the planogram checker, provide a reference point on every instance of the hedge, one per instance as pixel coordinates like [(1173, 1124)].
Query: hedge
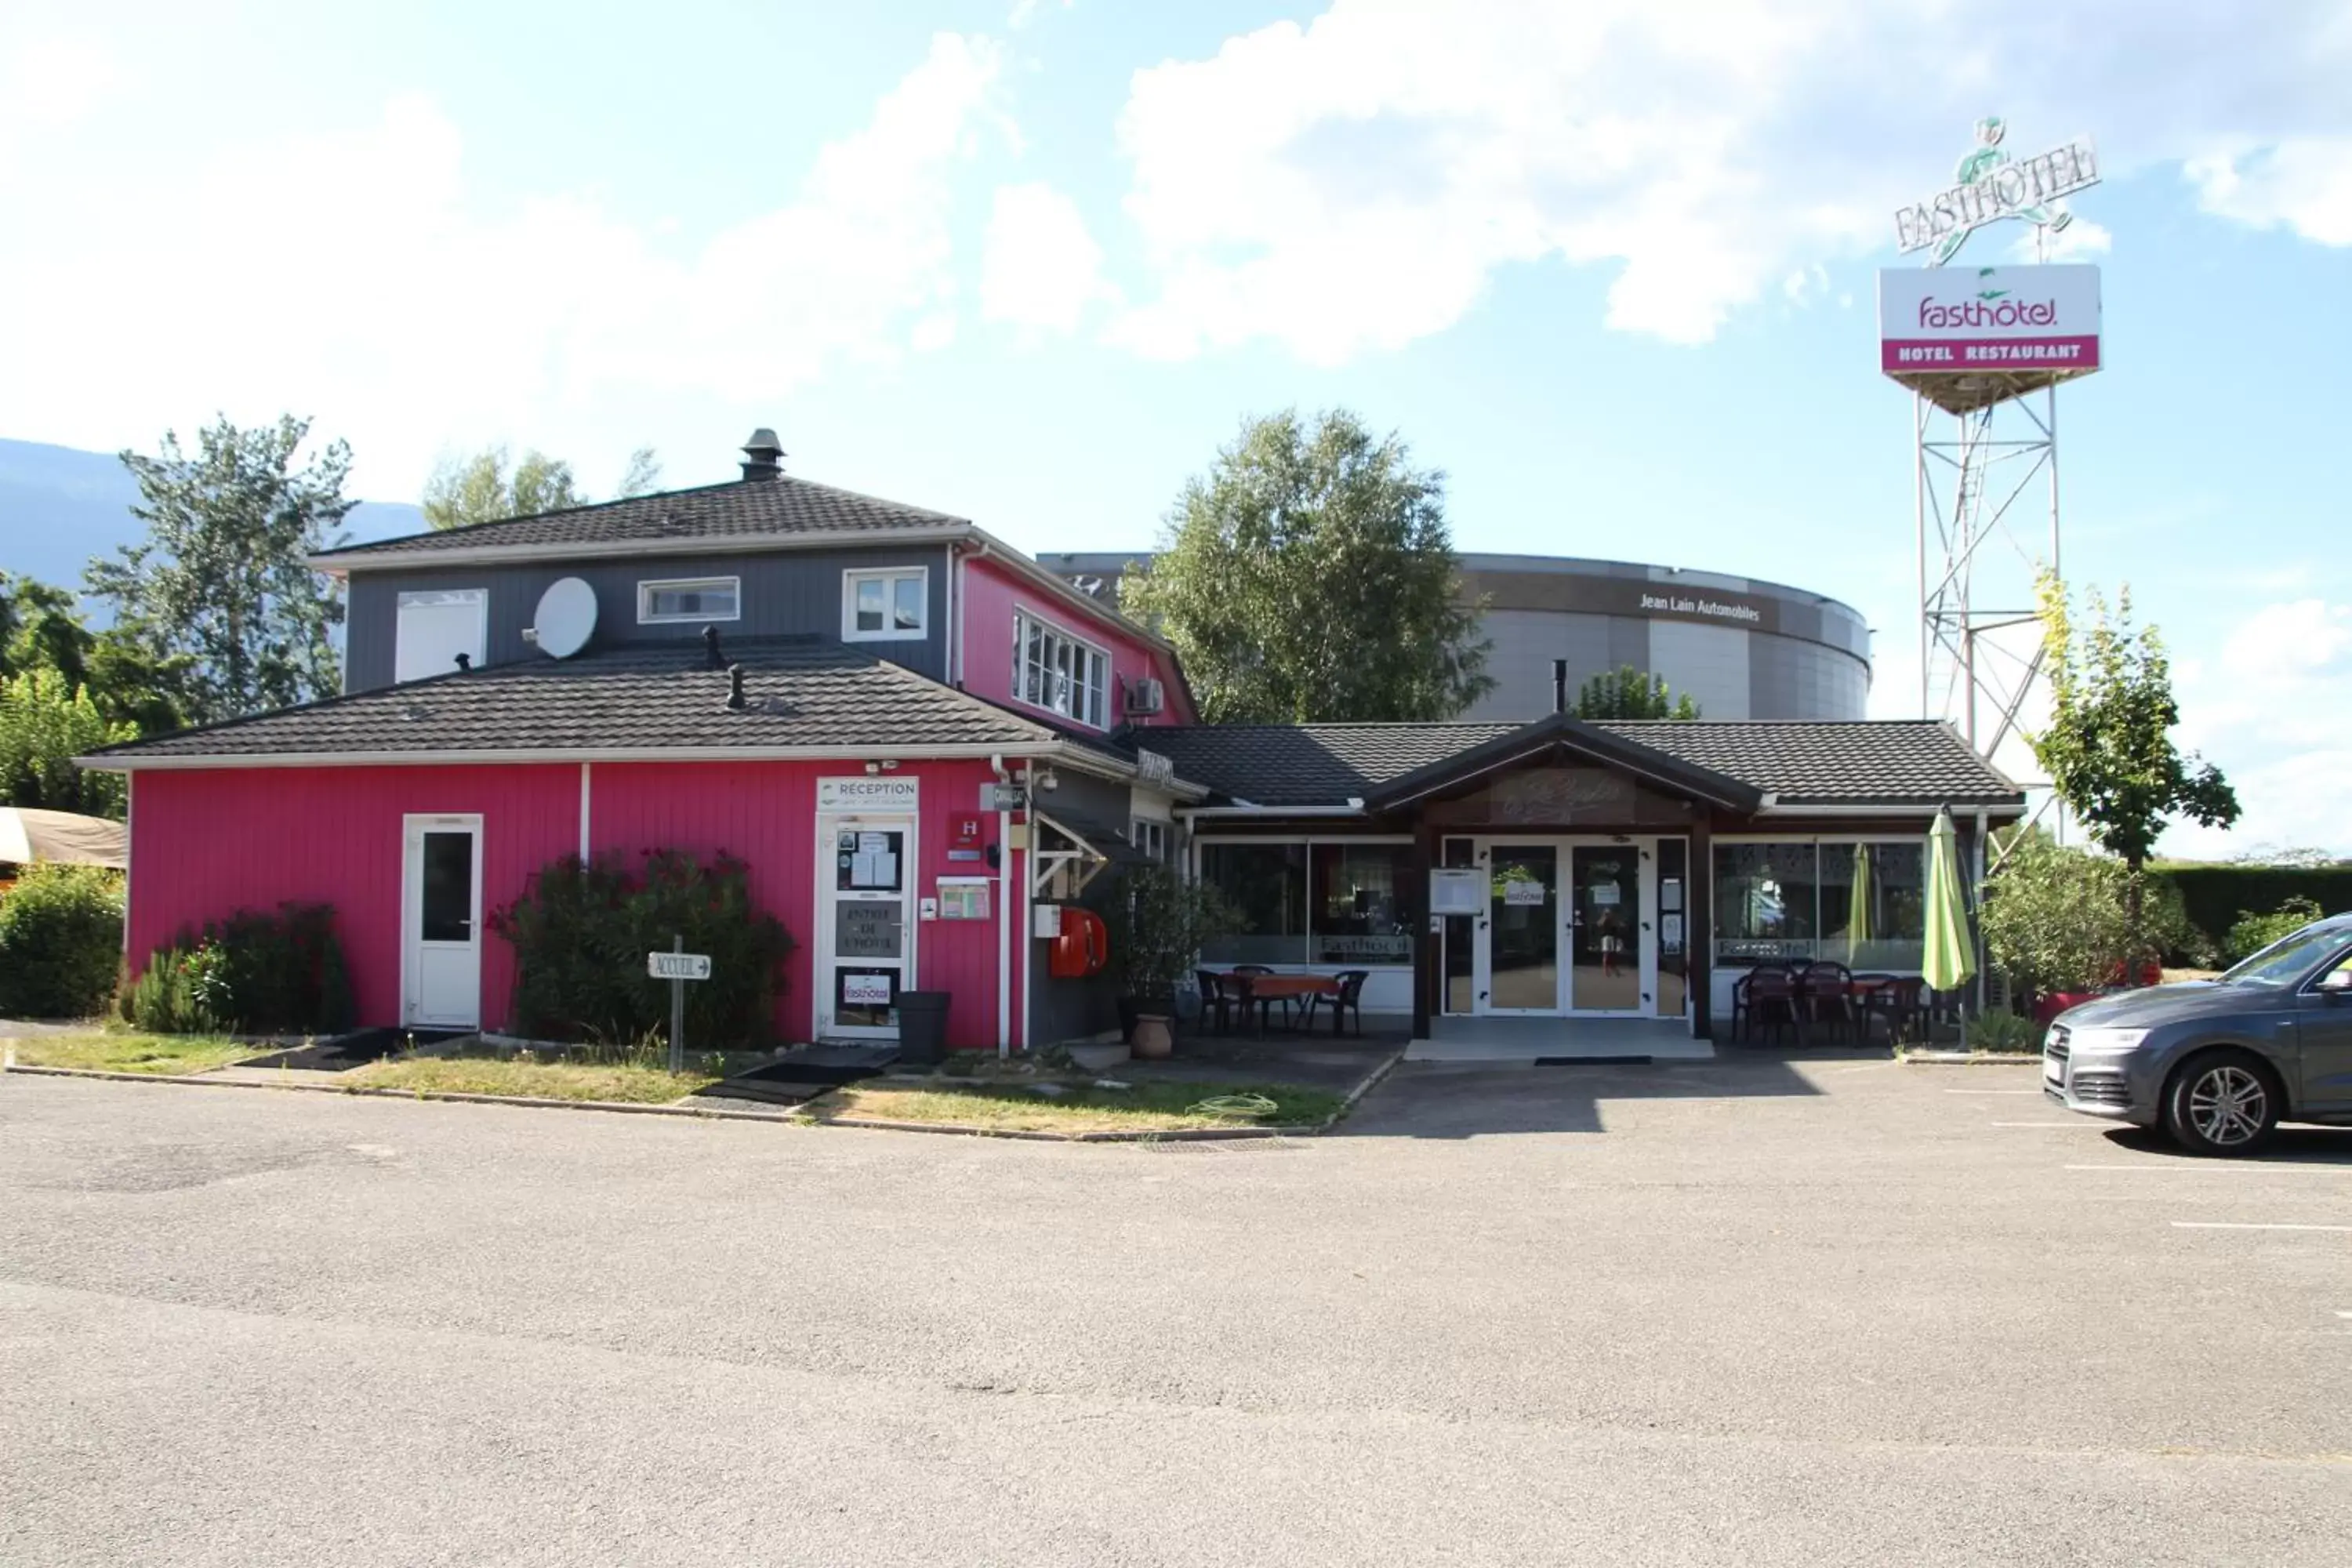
[(2215, 896), (580, 932)]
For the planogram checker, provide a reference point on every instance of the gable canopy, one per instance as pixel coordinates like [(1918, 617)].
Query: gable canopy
[(1560, 737)]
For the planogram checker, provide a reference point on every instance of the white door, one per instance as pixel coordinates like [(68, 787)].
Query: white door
[(867, 937), (1610, 940), (441, 923)]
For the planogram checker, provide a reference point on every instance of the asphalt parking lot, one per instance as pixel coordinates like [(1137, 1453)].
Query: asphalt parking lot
[(1749, 1312)]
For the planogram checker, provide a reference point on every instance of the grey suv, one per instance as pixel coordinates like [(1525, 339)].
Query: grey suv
[(2216, 1063)]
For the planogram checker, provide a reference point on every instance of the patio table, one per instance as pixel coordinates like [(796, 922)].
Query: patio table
[(1257, 988)]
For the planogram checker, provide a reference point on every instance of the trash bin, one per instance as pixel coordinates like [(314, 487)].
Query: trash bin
[(922, 1026)]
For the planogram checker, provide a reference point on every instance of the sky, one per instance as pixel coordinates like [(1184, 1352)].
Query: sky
[(1609, 264)]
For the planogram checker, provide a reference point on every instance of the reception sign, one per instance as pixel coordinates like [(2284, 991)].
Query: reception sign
[(1960, 321)]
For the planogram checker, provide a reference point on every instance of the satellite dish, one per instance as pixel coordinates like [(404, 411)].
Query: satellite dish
[(565, 618)]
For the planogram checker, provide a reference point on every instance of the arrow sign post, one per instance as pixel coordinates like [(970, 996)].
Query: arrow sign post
[(677, 966)]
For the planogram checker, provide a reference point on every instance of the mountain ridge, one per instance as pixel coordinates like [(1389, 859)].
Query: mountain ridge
[(59, 506)]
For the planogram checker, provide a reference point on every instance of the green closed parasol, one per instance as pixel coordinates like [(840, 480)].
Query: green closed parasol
[(1858, 926), (1951, 956)]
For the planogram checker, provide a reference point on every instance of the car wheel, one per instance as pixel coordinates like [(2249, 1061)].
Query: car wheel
[(2223, 1102)]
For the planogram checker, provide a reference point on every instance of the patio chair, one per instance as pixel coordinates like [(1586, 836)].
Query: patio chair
[(1904, 1001), (1215, 1003), (1827, 990), (1771, 1003), (1349, 998), (1873, 999)]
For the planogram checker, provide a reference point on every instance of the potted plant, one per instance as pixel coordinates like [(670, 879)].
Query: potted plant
[(1159, 925)]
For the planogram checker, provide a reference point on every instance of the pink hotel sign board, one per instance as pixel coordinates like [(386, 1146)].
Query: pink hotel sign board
[(1955, 320)]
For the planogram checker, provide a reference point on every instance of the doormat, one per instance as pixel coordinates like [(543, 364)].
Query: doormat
[(1594, 1061), (827, 1067), (353, 1050)]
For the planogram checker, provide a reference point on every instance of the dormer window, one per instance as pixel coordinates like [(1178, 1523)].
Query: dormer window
[(690, 599), (1053, 670), (888, 605)]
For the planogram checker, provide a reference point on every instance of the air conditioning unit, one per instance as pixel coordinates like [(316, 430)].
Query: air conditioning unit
[(1145, 696)]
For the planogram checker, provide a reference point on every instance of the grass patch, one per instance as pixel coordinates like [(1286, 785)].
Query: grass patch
[(536, 1077), (1080, 1108), (131, 1051)]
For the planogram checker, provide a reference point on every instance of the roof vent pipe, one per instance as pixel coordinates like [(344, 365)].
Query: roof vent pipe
[(735, 689), (711, 659), (763, 455), (1559, 686), (464, 662)]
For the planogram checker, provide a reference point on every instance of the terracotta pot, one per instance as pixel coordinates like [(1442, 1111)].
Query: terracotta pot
[(1153, 1039)]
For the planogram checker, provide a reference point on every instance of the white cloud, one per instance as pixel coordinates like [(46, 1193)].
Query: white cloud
[(47, 84), (1352, 185), (2079, 241), (2304, 184), (1025, 12), (349, 274), (2268, 708), (1040, 269)]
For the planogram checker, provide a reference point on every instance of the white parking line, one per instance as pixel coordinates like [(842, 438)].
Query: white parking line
[(2231, 1225), (1993, 1091), (2215, 1168), (2085, 1122)]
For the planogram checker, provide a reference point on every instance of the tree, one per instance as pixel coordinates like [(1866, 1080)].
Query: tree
[(1627, 693), (45, 724), (642, 477), (467, 491), (223, 579), (41, 627), (1310, 575), (2109, 746)]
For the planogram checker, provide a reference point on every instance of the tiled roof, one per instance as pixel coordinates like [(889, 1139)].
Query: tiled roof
[(799, 692), (1309, 764), (1326, 764), (741, 509), (1893, 759)]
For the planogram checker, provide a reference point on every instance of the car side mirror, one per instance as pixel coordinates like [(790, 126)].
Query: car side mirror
[(2336, 983)]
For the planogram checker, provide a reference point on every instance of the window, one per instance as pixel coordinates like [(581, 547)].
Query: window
[(690, 599), (1266, 882), (1333, 901), (1150, 838), (1861, 905), (434, 625), (1355, 917), (1053, 670), (890, 605)]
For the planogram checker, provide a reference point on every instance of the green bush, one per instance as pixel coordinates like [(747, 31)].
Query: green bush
[(61, 941), (253, 972), (2251, 933), (2002, 1032), (581, 930), (2059, 919), (177, 992)]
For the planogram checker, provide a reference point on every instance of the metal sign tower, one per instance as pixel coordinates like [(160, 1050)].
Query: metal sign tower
[(1982, 351)]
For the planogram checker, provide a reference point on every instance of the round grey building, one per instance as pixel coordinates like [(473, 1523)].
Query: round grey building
[(1739, 646)]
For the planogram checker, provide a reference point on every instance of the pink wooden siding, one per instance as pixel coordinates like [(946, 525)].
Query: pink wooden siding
[(208, 843), (992, 596)]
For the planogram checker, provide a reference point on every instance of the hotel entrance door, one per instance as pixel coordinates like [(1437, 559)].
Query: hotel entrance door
[(1568, 929)]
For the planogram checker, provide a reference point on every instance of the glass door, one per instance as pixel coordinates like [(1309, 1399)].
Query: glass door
[(1523, 929), (865, 946), (1607, 929)]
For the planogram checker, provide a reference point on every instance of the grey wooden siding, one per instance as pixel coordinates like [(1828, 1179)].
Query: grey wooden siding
[(785, 591), (1063, 1010)]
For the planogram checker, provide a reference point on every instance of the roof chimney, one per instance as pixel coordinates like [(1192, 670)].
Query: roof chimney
[(763, 455), (711, 659), (735, 688), (1559, 686)]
